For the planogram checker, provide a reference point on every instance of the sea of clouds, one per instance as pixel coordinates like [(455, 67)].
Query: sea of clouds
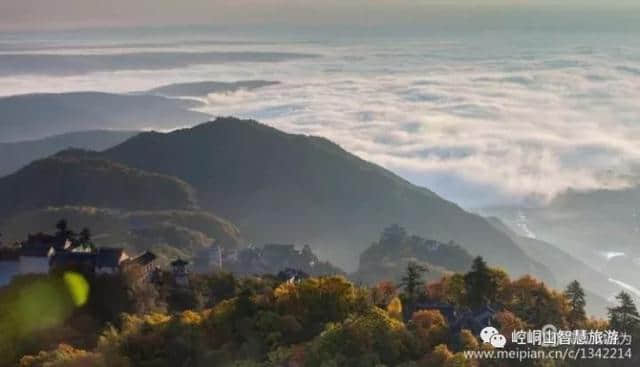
[(482, 119)]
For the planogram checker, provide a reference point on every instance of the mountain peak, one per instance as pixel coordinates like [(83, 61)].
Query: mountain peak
[(287, 188)]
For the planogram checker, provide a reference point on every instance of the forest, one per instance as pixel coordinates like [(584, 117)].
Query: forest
[(67, 318)]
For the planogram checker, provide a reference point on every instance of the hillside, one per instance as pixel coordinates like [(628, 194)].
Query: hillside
[(36, 116), (168, 233), (16, 155), (76, 179), (565, 268), (387, 258), (599, 227), (285, 188)]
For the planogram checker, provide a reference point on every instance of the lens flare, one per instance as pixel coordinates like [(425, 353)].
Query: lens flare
[(78, 288)]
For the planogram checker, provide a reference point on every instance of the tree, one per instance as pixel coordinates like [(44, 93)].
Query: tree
[(439, 357), (63, 229), (382, 293), (468, 341), (412, 282), (509, 322), (63, 356), (625, 317), (62, 225), (537, 305), (430, 329), (394, 309), (576, 299), (85, 238), (479, 284)]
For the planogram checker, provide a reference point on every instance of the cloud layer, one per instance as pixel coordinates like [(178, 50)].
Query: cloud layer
[(481, 119)]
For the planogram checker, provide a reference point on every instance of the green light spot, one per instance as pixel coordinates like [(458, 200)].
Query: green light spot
[(78, 288)]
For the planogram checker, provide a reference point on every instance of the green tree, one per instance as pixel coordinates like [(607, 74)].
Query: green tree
[(624, 317), (479, 284), (413, 285), (63, 229), (576, 299), (85, 238)]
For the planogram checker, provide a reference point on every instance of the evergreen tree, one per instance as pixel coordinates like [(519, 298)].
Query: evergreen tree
[(413, 283), (576, 299), (63, 230), (62, 226), (479, 284), (625, 317), (85, 238)]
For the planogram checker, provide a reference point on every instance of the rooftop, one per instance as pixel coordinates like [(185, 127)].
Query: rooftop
[(144, 259), (109, 257)]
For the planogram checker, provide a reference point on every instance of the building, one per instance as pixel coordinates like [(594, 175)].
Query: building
[(475, 320), (180, 273), (290, 275), (109, 260), (36, 252), (142, 266), (69, 260)]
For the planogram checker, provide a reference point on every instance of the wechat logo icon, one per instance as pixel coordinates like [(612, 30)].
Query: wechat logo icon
[(490, 335)]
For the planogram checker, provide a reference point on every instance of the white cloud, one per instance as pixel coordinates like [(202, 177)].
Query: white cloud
[(479, 120)]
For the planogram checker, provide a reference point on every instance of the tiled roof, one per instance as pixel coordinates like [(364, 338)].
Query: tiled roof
[(38, 245), (142, 260)]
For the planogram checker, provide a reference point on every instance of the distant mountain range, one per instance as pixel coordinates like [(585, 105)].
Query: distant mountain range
[(599, 227), (202, 89), (565, 268), (37, 116), (76, 178), (75, 116), (275, 188), (73, 64), (16, 155), (279, 187)]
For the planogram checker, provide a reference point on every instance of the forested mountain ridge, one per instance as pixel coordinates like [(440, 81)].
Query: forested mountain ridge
[(78, 178), (14, 156), (280, 187)]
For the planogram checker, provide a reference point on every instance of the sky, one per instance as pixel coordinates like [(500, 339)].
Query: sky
[(48, 14)]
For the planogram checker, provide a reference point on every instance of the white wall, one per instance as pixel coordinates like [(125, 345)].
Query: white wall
[(34, 265)]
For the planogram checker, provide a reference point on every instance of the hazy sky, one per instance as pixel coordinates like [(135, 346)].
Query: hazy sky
[(43, 14)]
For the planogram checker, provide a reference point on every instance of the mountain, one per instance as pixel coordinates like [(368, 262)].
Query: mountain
[(609, 219), (599, 227), (168, 233), (565, 268), (12, 64), (202, 89), (16, 155), (387, 259), (36, 116), (287, 188), (73, 178)]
